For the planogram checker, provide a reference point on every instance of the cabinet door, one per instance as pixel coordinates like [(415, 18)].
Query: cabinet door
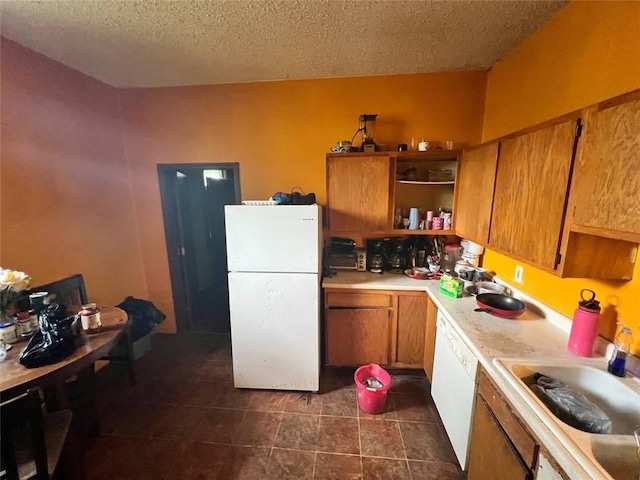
[(412, 316), (474, 193), (430, 338), (607, 173), (358, 193), (357, 336), (491, 456), (530, 194)]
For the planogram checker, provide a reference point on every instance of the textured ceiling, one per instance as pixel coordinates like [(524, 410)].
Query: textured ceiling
[(185, 42)]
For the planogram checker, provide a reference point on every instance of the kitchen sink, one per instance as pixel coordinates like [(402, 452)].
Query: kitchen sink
[(614, 397), (613, 455), (618, 455)]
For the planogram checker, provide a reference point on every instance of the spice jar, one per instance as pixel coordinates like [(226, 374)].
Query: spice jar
[(8, 332), (23, 324), (90, 317), (33, 318)]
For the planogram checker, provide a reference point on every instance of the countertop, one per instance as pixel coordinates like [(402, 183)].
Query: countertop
[(540, 334), (374, 281)]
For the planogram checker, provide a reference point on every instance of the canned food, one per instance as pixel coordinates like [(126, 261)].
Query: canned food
[(90, 317)]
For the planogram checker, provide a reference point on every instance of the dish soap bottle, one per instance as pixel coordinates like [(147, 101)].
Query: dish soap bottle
[(623, 341)]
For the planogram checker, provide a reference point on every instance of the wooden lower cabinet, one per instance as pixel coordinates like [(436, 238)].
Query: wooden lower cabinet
[(412, 315), (429, 338), (501, 447), (357, 336), (374, 326), (492, 457)]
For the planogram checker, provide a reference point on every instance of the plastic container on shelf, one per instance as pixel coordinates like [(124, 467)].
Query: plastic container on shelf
[(471, 248), (450, 257), (473, 260), (372, 384)]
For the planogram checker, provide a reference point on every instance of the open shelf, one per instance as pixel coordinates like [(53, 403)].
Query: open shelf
[(420, 182), (406, 231), (390, 233)]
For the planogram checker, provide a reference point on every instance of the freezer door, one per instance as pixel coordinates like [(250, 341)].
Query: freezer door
[(275, 330), (282, 238)]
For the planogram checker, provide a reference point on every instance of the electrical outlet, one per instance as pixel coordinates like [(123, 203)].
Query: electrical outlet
[(517, 276)]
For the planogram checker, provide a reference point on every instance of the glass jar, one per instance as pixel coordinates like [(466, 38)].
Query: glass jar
[(8, 332), (23, 324), (90, 318), (33, 317)]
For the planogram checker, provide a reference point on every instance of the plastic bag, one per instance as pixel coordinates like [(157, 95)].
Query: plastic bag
[(56, 339), (570, 406), (294, 198), (144, 316)]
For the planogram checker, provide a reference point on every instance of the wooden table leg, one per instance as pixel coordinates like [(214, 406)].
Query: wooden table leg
[(87, 386), (128, 339), (55, 397)]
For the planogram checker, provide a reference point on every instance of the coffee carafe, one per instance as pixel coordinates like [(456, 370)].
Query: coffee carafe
[(397, 256), (375, 255)]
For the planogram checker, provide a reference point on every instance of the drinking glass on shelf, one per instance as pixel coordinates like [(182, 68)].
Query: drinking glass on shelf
[(397, 223)]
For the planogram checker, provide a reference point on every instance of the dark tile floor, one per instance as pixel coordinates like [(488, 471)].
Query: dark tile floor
[(184, 420)]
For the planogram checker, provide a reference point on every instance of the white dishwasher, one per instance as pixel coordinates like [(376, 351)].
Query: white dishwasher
[(454, 386)]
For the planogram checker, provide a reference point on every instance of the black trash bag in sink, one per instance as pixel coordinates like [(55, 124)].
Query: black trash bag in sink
[(570, 406)]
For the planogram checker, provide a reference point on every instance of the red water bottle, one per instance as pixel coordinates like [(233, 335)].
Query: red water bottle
[(584, 329)]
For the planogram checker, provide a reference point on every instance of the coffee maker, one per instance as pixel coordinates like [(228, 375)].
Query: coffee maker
[(397, 255), (375, 255)]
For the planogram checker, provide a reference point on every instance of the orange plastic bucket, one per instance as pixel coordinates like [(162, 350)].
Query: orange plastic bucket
[(372, 399)]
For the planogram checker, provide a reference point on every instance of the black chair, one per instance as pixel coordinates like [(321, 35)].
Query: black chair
[(32, 443), (69, 291)]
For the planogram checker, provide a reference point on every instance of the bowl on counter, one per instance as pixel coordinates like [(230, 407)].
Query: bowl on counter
[(489, 287), (419, 273)]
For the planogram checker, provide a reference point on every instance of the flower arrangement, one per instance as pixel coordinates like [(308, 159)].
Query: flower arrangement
[(12, 282)]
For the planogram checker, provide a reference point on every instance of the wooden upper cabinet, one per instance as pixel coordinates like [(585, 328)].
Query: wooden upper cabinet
[(358, 193), (474, 198), (530, 193), (607, 173)]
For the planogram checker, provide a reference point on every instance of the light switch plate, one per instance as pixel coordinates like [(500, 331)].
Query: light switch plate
[(517, 276)]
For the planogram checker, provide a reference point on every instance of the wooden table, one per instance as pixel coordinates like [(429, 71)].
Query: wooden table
[(16, 379)]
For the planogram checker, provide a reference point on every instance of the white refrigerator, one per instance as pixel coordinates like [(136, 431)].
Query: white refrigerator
[(274, 256)]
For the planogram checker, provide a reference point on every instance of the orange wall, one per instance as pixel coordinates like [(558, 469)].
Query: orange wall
[(279, 132), (66, 203), (586, 53)]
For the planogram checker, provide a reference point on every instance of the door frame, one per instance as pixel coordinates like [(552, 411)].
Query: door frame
[(166, 174)]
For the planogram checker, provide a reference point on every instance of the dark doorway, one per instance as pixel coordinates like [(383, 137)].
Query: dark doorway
[(193, 199)]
